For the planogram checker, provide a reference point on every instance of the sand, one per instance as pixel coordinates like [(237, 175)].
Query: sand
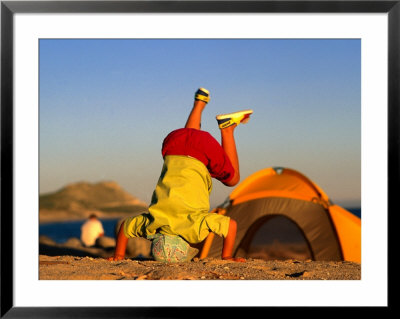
[(89, 268), (72, 261)]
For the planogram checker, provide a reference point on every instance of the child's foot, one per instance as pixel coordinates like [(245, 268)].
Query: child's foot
[(226, 120), (202, 95)]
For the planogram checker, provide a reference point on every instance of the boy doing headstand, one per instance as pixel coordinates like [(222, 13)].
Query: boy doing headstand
[(179, 211)]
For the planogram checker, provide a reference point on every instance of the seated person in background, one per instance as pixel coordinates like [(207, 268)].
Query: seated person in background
[(91, 230)]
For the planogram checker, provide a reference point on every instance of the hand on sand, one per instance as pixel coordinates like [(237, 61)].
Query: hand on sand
[(115, 258), (237, 259)]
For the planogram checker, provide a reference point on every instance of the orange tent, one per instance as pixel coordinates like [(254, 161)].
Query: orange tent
[(282, 196)]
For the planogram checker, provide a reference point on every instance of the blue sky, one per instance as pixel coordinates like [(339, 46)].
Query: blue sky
[(106, 105)]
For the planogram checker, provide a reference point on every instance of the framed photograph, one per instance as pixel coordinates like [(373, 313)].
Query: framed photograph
[(62, 60)]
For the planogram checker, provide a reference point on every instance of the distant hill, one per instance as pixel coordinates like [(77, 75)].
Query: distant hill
[(80, 199)]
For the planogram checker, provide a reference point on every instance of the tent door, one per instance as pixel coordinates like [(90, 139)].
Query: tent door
[(274, 237)]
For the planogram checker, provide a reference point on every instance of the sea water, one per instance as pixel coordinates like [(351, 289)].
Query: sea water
[(61, 232), (355, 211)]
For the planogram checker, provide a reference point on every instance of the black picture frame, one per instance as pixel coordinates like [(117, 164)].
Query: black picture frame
[(9, 8)]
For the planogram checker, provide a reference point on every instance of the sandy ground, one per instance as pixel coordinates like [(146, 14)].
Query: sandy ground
[(72, 261), (89, 268)]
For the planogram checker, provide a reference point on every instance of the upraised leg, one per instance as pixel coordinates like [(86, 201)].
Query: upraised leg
[(229, 145), (202, 97), (227, 124)]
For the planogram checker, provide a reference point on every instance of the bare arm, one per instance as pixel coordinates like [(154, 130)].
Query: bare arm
[(120, 248), (229, 242)]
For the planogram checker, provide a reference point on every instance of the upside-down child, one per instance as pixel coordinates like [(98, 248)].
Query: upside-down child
[(179, 211)]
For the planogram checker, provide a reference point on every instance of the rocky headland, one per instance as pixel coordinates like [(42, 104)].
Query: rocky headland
[(77, 201)]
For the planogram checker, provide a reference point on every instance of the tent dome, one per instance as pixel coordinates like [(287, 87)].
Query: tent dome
[(278, 182), (276, 193)]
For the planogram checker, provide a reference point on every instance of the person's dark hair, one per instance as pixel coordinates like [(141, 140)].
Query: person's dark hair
[(93, 216)]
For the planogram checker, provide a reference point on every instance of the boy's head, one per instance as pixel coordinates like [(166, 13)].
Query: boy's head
[(173, 249)]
